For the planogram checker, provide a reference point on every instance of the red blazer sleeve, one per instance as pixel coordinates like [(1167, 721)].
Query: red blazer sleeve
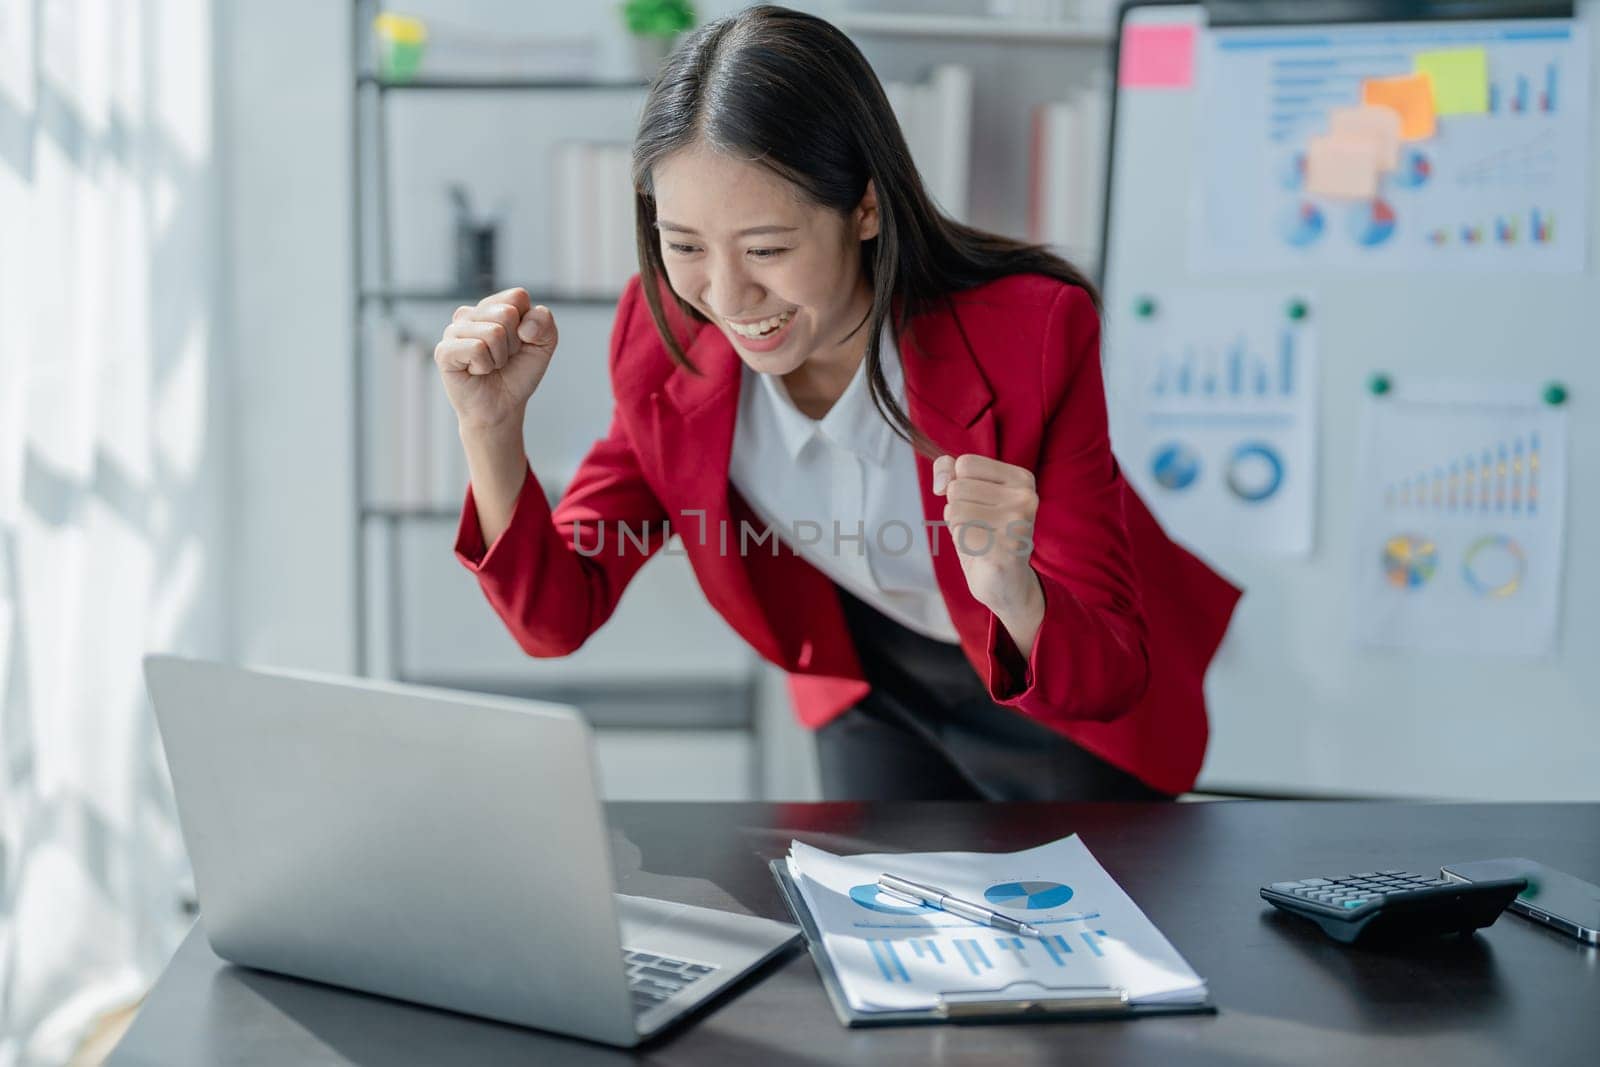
[(555, 577), (1091, 658)]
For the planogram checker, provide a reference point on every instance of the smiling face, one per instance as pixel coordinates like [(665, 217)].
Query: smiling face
[(780, 277)]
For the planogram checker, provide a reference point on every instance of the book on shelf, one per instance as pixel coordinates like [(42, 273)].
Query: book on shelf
[(1066, 176), (935, 116), (417, 460), (592, 217)]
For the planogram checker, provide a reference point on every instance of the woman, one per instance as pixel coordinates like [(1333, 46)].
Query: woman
[(880, 435)]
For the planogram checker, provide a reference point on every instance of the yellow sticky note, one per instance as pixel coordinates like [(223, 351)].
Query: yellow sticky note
[(1410, 95), (1343, 168), (1460, 78), (1379, 124)]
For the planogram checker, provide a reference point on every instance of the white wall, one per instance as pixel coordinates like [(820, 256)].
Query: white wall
[(285, 150)]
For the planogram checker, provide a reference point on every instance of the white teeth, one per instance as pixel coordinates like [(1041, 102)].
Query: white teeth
[(765, 326)]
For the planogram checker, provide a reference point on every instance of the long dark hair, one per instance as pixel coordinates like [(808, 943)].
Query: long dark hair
[(792, 92)]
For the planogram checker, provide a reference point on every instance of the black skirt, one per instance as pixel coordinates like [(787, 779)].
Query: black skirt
[(929, 731)]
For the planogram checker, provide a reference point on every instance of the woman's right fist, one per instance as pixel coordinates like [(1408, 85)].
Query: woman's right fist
[(493, 356)]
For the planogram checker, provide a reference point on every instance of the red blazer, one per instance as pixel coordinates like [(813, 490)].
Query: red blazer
[(1131, 619)]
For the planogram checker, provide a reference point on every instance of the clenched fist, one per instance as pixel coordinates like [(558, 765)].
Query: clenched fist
[(493, 356), (990, 507)]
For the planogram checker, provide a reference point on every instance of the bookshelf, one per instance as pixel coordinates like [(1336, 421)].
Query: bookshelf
[(970, 28), (399, 576), (1041, 91), (437, 84), (401, 295), (379, 292)]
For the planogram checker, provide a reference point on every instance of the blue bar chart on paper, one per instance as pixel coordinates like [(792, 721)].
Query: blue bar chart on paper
[(1227, 371), (1213, 404), (898, 959)]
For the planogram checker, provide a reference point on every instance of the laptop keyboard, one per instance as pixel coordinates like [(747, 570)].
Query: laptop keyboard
[(654, 978)]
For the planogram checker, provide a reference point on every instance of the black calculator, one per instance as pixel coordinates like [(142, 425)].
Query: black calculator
[(1393, 905)]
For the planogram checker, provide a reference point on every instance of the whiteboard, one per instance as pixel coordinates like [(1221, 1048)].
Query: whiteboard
[(1298, 704)]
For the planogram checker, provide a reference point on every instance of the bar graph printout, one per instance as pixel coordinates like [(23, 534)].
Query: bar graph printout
[(891, 955), (1214, 404), (1493, 174), (1460, 510)]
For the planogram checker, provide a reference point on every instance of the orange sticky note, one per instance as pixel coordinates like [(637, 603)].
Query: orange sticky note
[(1344, 168), (1411, 95), (1379, 124)]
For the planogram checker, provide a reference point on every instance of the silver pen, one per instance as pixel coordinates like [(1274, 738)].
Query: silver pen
[(933, 897)]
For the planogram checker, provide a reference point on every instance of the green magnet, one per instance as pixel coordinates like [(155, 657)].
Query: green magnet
[(1379, 384), (1144, 307), (1555, 394), (1298, 310)]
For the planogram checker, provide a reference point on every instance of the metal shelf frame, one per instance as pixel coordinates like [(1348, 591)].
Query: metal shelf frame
[(375, 287), (684, 704)]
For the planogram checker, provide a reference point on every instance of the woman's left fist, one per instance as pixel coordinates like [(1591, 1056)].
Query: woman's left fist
[(990, 508)]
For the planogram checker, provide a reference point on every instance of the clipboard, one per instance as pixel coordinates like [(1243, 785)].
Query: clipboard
[(1020, 1002)]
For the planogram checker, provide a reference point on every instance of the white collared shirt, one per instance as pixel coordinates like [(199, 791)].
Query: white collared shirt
[(801, 476)]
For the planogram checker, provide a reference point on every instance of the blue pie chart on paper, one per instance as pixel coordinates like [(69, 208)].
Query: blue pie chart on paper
[(1255, 471), (1175, 466), (1031, 896), (1372, 224), (1414, 169), (1301, 224), (868, 897)]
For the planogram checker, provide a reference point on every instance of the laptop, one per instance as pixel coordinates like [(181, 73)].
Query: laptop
[(440, 847)]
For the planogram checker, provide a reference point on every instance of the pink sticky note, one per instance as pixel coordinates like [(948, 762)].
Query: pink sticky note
[(1157, 57)]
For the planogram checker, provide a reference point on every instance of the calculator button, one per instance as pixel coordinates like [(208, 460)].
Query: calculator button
[(1391, 872), (1316, 881), (1284, 887)]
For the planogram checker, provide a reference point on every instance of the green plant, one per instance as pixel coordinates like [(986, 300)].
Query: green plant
[(657, 18)]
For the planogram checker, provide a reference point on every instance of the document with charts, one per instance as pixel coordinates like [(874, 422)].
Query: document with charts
[(891, 955), (1484, 166)]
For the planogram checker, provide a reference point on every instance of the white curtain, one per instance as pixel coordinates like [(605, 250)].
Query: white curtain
[(110, 475)]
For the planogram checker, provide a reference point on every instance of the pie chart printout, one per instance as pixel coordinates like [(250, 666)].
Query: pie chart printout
[(1028, 896)]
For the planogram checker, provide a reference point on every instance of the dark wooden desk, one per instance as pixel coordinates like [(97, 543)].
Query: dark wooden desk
[(1513, 994)]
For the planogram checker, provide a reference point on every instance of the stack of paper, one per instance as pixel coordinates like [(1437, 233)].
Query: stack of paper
[(894, 956)]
